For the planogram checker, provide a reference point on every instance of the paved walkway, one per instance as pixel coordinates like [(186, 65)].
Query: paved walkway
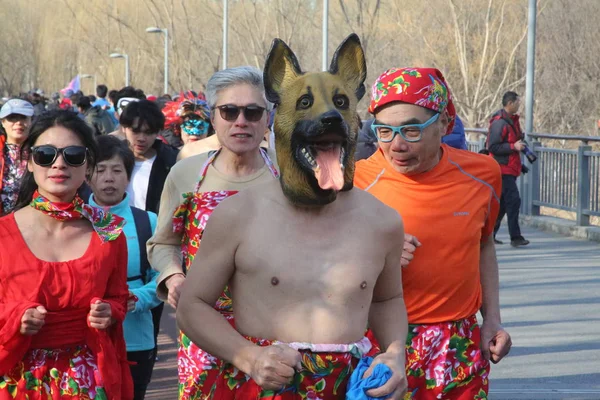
[(550, 296)]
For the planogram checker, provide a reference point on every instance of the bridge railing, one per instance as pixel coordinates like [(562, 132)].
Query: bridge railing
[(561, 179)]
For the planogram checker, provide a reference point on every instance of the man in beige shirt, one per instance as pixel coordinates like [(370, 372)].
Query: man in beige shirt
[(194, 188)]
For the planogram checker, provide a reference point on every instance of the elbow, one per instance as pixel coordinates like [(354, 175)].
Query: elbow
[(180, 317)]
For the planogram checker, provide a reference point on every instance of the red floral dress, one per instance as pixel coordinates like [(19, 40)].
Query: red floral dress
[(196, 367), (66, 359)]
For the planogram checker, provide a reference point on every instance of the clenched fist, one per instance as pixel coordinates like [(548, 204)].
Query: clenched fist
[(274, 366), (174, 284), (100, 315), (32, 321)]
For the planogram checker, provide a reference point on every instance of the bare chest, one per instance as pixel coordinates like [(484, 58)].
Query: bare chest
[(328, 259), (66, 245)]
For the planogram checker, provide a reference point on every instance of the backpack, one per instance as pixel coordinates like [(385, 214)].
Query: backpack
[(144, 232)]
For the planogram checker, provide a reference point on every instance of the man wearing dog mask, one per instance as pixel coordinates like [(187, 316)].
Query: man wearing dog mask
[(309, 260), (449, 200)]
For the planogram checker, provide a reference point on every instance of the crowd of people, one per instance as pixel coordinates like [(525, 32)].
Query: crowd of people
[(106, 199)]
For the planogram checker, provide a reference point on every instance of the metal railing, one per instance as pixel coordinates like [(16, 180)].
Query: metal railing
[(561, 179)]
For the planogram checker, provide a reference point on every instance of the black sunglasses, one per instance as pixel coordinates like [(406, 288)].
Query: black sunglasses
[(16, 118), (230, 112), (46, 155)]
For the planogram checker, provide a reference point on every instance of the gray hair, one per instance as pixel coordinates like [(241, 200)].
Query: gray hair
[(235, 76)]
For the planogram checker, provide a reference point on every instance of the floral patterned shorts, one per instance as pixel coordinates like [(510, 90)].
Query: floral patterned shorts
[(444, 361), (324, 375), (56, 374)]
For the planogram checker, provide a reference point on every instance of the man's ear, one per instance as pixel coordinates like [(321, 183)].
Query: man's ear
[(349, 63), (281, 66), (444, 121)]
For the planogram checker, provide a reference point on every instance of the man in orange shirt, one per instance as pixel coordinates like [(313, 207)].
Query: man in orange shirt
[(449, 199)]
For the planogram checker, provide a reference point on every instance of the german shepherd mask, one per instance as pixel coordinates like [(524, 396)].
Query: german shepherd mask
[(316, 124)]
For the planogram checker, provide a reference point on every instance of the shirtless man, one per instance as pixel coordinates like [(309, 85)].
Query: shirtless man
[(309, 261)]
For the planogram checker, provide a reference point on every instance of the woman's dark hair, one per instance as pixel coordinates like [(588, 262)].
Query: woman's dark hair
[(63, 118), (140, 113), (112, 96), (110, 146)]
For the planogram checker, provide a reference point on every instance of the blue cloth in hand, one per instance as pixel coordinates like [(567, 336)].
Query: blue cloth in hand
[(358, 387)]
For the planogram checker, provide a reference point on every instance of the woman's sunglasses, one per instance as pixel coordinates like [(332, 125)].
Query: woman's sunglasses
[(230, 112), (16, 118), (46, 155)]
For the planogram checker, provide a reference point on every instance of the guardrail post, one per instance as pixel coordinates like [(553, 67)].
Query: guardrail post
[(583, 185), (534, 183), (481, 143)]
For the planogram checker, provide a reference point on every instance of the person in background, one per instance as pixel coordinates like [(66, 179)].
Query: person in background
[(15, 116), (186, 121), (367, 141), (108, 182), (101, 92), (457, 138), (120, 100), (95, 116), (54, 103), (65, 103), (505, 143), (141, 122), (61, 318), (103, 103), (39, 102)]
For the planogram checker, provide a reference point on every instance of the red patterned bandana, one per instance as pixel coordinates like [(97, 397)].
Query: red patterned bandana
[(108, 226), (425, 87)]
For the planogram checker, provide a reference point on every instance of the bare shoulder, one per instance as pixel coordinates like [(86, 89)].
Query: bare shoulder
[(202, 146)]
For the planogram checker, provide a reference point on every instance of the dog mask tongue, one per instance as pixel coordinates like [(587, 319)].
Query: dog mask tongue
[(329, 172)]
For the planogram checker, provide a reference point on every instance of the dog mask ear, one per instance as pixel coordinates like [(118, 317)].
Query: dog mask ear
[(349, 63), (281, 66)]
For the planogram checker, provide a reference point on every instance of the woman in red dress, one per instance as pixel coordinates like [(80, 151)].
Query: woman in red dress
[(63, 271)]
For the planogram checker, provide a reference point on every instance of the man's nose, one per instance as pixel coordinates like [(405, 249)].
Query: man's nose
[(399, 143), (241, 119)]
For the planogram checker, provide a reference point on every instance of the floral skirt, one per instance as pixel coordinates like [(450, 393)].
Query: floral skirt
[(196, 368), (56, 374), (444, 361), (326, 369)]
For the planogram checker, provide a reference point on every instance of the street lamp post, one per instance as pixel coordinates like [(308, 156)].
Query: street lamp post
[(84, 76), (225, 26), (126, 57), (325, 34), (166, 32)]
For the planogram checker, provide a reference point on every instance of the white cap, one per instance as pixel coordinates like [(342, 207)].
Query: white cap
[(16, 106), (123, 102)]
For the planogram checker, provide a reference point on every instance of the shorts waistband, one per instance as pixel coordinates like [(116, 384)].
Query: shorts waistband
[(356, 349)]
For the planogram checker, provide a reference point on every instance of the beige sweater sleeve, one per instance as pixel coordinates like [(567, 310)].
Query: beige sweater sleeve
[(164, 248)]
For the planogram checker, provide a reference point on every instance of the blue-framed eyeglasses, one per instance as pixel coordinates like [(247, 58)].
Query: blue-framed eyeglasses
[(410, 133)]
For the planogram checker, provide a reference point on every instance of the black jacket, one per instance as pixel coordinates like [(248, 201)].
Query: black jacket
[(166, 156), (99, 120), (367, 141)]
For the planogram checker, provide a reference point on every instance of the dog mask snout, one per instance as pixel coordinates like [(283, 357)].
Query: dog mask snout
[(332, 117)]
